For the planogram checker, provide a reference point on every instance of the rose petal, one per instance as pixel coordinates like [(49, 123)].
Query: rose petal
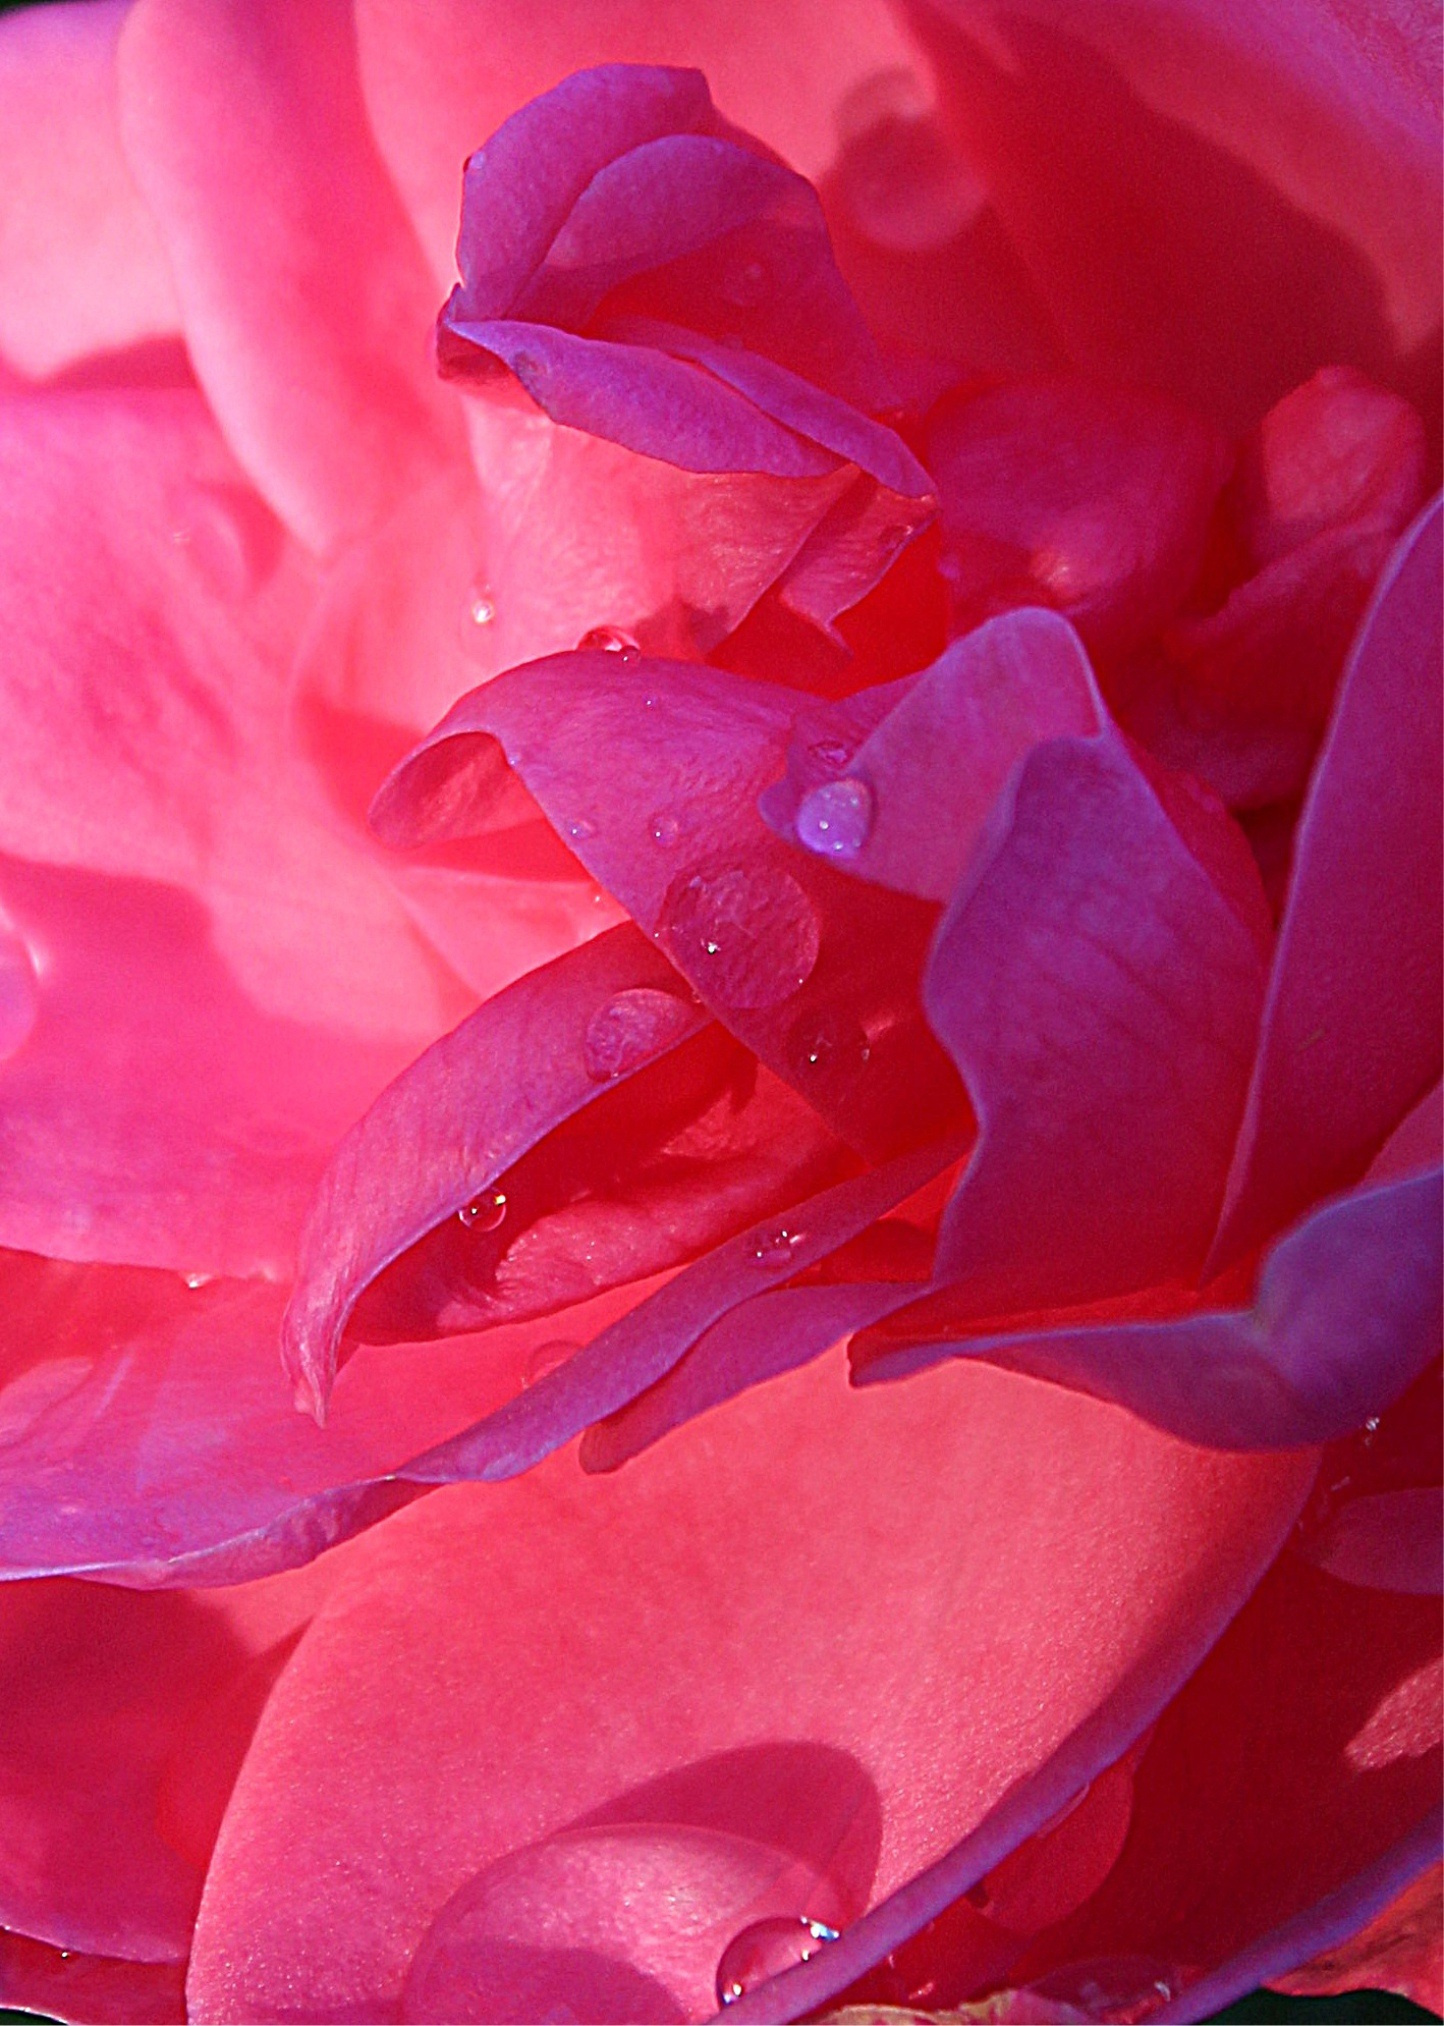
[(1089, 499), (304, 297), (655, 1592), (1398, 1950), (1351, 1035), (1346, 1316), (1390, 1541), (64, 1984), (810, 971), (82, 269)]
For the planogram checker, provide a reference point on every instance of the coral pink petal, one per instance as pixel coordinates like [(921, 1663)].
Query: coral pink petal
[(1346, 1316), (162, 849), (82, 269), (812, 972), (1088, 499), (1100, 994), (549, 1604), (304, 297), (438, 87), (1351, 1028), (1170, 174)]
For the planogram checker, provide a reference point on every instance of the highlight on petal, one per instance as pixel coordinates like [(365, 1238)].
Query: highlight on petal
[(814, 973), (552, 1602), (1350, 1035), (304, 298), (1093, 500), (1345, 1317), (82, 269)]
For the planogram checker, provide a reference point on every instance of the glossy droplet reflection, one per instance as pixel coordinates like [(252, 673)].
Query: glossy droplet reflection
[(19, 992), (664, 829), (766, 1949), (835, 819), (747, 934), (1126, 1989), (631, 1028), (481, 606), (776, 1248), (826, 1043), (580, 829), (484, 1213), (609, 640)]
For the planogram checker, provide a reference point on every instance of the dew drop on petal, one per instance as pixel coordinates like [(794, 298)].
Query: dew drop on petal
[(766, 1949), (1122, 1988), (748, 935), (609, 640), (631, 1028), (835, 818), (484, 1213), (195, 1280), (664, 829), (481, 606), (19, 992), (547, 1357), (776, 1248), (830, 752), (826, 1043), (580, 828)]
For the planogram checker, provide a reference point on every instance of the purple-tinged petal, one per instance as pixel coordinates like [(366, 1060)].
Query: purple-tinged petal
[(814, 973), (1391, 1540), (924, 783), (1351, 1034), (1099, 989), (646, 1343), (1346, 1315)]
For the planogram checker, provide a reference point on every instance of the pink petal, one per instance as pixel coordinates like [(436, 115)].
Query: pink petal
[(1351, 1032), (1400, 1950), (64, 1984), (804, 1527), (809, 970), (304, 298), (1389, 1541), (1088, 499), (82, 269), (1172, 175), (161, 850)]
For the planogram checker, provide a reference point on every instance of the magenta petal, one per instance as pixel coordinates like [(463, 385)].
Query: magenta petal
[(1351, 1028), (1346, 1314), (107, 1990), (1100, 995), (814, 973), (1387, 1541)]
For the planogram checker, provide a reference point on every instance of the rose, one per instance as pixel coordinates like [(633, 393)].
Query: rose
[(733, 1682)]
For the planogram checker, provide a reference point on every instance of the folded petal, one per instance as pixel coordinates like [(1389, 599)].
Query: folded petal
[(304, 298), (551, 1603), (1351, 1031), (812, 972), (82, 269)]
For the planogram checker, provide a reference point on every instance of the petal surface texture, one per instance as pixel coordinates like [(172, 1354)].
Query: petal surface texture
[(950, 1540)]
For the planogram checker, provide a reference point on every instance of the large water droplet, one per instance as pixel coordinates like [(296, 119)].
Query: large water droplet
[(547, 1357), (748, 934), (25, 1399), (631, 1028), (19, 992), (834, 819), (1125, 1989), (820, 1044), (609, 640), (766, 1949), (901, 181), (484, 1213)]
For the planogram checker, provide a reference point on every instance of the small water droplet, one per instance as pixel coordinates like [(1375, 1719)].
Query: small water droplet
[(547, 1357), (525, 362), (776, 1248), (19, 992), (831, 752), (484, 1213), (581, 827), (1122, 1988), (834, 819), (609, 640), (825, 1042), (631, 1028), (481, 607), (748, 934), (746, 284), (766, 1949), (195, 1280), (664, 829)]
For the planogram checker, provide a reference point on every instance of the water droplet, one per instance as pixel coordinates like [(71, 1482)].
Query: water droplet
[(766, 1949), (1122, 1988), (905, 187), (746, 284), (19, 992), (664, 829), (581, 827), (831, 752), (825, 1042), (749, 934), (25, 1399), (631, 1028), (481, 606), (484, 1213), (547, 1357), (524, 362), (195, 1280), (835, 818), (609, 640), (776, 1248)]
